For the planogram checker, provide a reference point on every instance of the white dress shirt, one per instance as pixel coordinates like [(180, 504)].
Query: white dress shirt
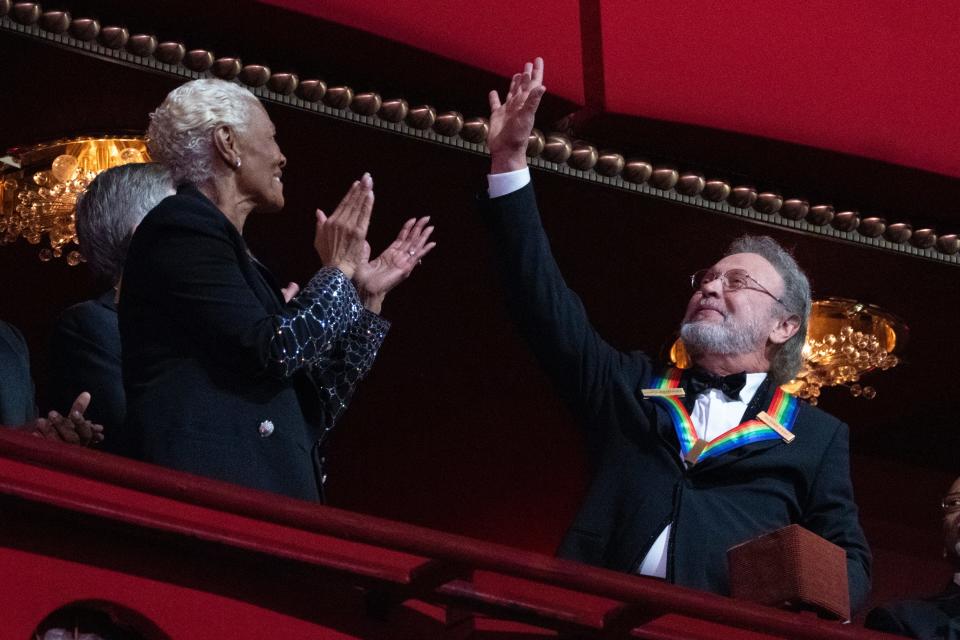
[(713, 415), (713, 412)]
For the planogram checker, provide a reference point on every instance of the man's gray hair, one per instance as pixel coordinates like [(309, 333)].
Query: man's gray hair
[(180, 134), (111, 208), (796, 297)]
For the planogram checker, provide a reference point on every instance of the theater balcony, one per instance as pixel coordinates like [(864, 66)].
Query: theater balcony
[(169, 554), (668, 130)]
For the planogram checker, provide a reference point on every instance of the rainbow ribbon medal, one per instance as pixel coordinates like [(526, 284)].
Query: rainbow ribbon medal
[(776, 422)]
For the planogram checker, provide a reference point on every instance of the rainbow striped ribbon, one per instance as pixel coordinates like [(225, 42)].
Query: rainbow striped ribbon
[(783, 408)]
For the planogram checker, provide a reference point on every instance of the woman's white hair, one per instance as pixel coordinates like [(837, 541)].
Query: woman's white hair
[(181, 129)]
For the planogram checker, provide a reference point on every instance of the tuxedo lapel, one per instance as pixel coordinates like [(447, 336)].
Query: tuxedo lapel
[(662, 425), (666, 430)]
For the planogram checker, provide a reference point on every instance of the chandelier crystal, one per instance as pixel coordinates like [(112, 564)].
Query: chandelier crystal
[(845, 340), (39, 186)]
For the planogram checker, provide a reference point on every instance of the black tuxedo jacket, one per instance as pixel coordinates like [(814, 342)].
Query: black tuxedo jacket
[(936, 618), (85, 356), (640, 484), (211, 353), (17, 404)]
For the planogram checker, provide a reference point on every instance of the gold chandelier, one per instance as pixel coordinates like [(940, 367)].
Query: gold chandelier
[(845, 340), (39, 186)]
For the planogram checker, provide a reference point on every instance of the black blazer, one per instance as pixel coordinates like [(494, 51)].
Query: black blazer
[(640, 484), (223, 378), (930, 618), (17, 404), (85, 356)]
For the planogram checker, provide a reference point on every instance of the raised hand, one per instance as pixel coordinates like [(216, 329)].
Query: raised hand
[(340, 240), (512, 121), (72, 428), (375, 278)]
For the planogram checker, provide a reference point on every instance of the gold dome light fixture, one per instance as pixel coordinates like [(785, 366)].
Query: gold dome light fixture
[(39, 186), (845, 340)]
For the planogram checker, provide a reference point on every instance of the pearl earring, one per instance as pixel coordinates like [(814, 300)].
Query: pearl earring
[(237, 165)]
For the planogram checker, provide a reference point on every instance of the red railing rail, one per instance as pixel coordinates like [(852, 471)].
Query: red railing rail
[(441, 568)]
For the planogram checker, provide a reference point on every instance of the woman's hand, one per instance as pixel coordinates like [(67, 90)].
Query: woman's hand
[(340, 240), (375, 278)]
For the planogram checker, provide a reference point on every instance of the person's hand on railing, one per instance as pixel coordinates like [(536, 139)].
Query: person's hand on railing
[(72, 428)]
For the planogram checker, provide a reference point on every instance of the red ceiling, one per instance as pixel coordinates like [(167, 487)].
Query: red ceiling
[(875, 78), (490, 34)]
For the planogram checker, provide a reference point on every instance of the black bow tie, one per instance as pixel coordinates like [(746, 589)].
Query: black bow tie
[(699, 381)]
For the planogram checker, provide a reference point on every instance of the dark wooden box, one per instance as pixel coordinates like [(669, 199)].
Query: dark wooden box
[(791, 567)]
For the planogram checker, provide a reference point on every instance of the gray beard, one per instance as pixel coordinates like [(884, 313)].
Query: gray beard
[(724, 338)]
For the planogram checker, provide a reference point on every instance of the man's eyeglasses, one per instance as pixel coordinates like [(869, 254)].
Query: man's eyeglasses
[(731, 280), (950, 503)]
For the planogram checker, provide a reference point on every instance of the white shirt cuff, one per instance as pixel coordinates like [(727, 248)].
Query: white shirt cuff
[(500, 184)]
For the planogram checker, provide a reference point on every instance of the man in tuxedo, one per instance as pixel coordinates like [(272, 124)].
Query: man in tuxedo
[(679, 480), (939, 615)]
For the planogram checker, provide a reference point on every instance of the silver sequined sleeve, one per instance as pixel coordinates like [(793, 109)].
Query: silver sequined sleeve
[(315, 321), (338, 372)]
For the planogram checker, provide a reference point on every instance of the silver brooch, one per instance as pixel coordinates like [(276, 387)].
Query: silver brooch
[(265, 428)]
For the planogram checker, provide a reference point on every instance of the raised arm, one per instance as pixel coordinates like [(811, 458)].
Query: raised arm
[(550, 316), (511, 121)]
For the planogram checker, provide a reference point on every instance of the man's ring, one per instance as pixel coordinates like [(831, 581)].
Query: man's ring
[(412, 252)]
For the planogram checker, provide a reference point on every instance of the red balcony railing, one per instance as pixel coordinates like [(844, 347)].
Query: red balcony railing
[(205, 559)]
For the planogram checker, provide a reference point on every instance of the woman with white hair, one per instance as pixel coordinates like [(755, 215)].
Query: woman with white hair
[(226, 374), (85, 345)]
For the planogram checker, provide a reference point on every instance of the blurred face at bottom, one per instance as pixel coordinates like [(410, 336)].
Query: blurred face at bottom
[(951, 523)]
